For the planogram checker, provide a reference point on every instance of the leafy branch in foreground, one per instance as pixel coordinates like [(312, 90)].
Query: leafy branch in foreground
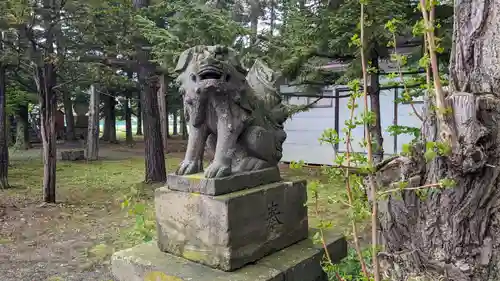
[(400, 61), (447, 133), (352, 198)]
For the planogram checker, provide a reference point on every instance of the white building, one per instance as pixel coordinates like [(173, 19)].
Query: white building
[(304, 129)]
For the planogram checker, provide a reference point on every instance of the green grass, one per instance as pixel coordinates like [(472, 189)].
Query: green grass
[(90, 197), (324, 210)]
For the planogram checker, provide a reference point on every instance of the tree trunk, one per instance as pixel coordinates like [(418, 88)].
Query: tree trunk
[(93, 128), (68, 114), (174, 123), (255, 11), (272, 17), (302, 5), (184, 131), (453, 233), (139, 115), (48, 107), (45, 78), (66, 95), (8, 126), (376, 127), (107, 118), (128, 121), (155, 157), (22, 128), (4, 150), (162, 108), (112, 120), (168, 124)]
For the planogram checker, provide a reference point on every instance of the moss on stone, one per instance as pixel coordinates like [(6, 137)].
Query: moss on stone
[(196, 256), (160, 276), (249, 191), (197, 176)]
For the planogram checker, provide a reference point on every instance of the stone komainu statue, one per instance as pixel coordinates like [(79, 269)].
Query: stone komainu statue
[(238, 115)]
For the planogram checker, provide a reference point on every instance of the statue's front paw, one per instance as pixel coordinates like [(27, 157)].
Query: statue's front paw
[(218, 170), (188, 167)]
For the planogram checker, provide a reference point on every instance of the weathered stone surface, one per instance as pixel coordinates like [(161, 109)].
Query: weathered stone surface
[(73, 155), (237, 114), (217, 186), (231, 230), (299, 262)]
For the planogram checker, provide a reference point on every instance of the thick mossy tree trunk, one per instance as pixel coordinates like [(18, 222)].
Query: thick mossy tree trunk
[(22, 128), (155, 157), (4, 151), (453, 233)]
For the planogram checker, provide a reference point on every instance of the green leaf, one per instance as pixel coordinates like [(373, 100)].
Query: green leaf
[(429, 155)]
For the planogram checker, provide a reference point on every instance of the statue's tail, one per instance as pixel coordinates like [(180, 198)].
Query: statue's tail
[(294, 109), (264, 82)]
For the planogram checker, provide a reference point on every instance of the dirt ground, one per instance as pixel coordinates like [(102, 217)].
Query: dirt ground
[(74, 239), (70, 240)]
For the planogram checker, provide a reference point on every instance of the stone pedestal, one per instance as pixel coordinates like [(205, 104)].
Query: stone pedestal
[(251, 226), (73, 155), (299, 262), (231, 230), (197, 183)]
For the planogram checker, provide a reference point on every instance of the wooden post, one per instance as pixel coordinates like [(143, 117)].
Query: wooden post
[(92, 149)]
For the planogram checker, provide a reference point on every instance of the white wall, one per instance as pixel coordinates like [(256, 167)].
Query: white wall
[(305, 128)]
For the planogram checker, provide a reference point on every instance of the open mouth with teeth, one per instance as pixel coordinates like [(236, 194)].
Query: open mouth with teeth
[(212, 73)]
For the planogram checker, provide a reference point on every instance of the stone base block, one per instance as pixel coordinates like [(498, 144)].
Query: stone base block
[(299, 262), (73, 155), (217, 186), (231, 230)]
